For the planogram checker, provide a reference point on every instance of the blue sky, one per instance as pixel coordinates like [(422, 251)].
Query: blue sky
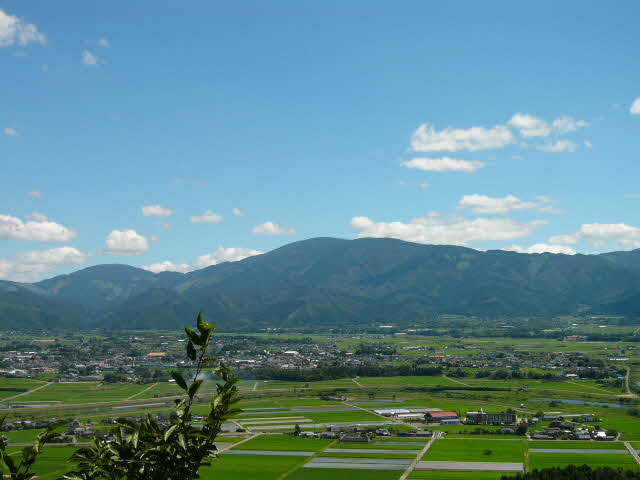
[(484, 124)]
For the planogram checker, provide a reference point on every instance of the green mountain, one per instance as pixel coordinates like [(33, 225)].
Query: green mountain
[(327, 281)]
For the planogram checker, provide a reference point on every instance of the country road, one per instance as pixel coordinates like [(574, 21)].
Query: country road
[(28, 392)]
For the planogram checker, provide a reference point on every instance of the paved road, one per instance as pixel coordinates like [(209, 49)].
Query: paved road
[(142, 391), (422, 453), (633, 452), (231, 445)]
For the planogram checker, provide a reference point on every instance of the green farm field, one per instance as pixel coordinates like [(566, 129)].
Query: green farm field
[(373, 446), (373, 454), (285, 443), (548, 460), (83, 392), (474, 450), (343, 474), (433, 475), (254, 467), (10, 387), (576, 445)]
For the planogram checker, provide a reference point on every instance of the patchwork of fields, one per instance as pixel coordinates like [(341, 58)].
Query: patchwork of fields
[(257, 444)]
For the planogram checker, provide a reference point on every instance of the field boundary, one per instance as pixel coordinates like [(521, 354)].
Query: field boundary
[(412, 466)]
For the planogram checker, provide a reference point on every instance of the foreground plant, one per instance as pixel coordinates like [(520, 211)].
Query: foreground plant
[(18, 464), (149, 451)]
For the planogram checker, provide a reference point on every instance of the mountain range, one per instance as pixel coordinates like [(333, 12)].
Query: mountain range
[(328, 281)]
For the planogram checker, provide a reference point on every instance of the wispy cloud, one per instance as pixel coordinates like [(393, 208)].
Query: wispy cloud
[(90, 59), (271, 228), (443, 164), (209, 216), (157, 211), (15, 31)]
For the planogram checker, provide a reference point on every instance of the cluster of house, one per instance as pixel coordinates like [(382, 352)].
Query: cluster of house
[(437, 416), (472, 418), (25, 425), (561, 428), (363, 434)]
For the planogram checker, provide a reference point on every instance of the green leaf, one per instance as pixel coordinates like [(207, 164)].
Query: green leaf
[(179, 380), (9, 463), (169, 432), (193, 389), (191, 351), (193, 336)]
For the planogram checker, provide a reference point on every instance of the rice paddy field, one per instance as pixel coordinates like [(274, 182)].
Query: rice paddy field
[(548, 460), (285, 443), (342, 474), (82, 392), (453, 475), (259, 447), (11, 387), (233, 467), (477, 450)]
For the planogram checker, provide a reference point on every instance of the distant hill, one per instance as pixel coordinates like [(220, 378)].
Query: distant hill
[(327, 281)]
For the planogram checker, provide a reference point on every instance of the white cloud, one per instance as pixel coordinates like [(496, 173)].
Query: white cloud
[(559, 146), (634, 109), (207, 217), (53, 256), (270, 228), (126, 242), (542, 248), (89, 58), (599, 234), (14, 228), (167, 266), (36, 193), (30, 266), (530, 126), (222, 254), (435, 229), (444, 164), (103, 42), (237, 211), (424, 185), (588, 144), (12, 132), (566, 124), (14, 30), (484, 204), (157, 211), (427, 139)]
